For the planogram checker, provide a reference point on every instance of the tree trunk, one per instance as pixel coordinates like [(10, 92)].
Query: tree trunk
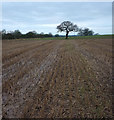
[(67, 34)]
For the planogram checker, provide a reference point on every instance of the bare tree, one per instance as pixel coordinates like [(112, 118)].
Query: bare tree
[(67, 27), (85, 32)]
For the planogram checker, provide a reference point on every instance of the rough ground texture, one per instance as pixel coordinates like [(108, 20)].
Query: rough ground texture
[(57, 78)]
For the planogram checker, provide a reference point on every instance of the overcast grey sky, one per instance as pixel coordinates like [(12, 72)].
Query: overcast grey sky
[(44, 17)]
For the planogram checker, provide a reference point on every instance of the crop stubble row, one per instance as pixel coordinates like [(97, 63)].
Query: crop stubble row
[(62, 82)]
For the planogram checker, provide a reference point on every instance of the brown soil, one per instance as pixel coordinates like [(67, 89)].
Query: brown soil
[(57, 78)]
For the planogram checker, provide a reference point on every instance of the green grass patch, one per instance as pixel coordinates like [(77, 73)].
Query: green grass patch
[(69, 38)]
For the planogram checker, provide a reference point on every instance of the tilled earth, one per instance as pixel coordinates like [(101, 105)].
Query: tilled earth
[(57, 78)]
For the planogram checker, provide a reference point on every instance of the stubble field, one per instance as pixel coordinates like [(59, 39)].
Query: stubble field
[(57, 78)]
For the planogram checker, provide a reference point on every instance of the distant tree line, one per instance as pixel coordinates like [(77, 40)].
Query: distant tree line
[(17, 34)]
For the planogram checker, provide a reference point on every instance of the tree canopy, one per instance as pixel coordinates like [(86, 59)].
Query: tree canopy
[(85, 32), (67, 27)]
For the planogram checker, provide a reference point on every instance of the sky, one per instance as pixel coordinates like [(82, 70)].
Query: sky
[(45, 16)]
